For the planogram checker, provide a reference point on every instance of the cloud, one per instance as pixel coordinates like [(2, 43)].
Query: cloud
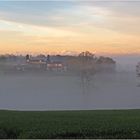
[(33, 30), (119, 16), (65, 26)]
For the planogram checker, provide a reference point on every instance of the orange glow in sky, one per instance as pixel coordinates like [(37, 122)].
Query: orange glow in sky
[(70, 27)]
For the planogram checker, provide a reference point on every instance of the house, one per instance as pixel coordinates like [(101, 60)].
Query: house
[(45, 63), (56, 66)]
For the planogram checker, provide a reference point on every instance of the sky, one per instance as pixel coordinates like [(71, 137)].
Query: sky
[(70, 27)]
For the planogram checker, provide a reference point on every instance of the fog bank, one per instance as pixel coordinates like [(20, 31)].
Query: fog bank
[(64, 92)]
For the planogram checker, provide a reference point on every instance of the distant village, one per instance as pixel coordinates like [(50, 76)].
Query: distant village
[(83, 62), (57, 63)]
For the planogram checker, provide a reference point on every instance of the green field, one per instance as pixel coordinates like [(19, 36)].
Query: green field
[(70, 124)]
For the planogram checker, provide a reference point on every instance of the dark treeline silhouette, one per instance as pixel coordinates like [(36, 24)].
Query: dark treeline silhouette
[(87, 61)]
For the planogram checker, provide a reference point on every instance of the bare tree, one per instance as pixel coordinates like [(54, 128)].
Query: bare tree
[(87, 68)]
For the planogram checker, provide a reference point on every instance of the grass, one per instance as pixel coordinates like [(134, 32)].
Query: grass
[(70, 124)]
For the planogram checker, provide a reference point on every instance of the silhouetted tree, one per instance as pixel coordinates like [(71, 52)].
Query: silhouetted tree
[(87, 68), (48, 58), (27, 57), (106, 64)]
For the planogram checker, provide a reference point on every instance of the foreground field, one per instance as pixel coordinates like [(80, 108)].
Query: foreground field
[(70, 124)]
